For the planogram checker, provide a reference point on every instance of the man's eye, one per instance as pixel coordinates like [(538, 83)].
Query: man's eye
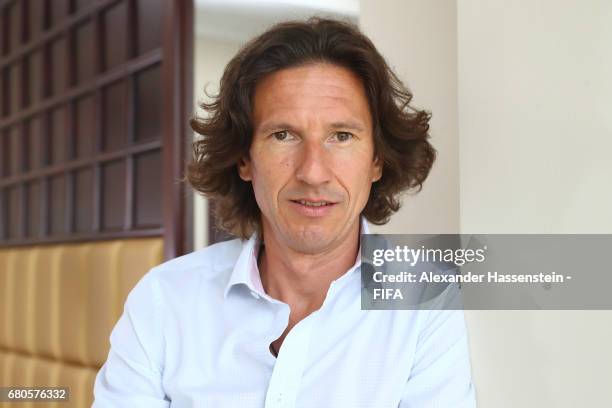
[(281, 135), (343, 136)]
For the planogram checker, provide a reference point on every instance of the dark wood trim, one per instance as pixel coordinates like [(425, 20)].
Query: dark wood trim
[(97, 236), (132, 12), (4, 27), (100, 43), (3, 217), (26, 29), (96, 207), (64, 28), (71, 153), (123, 71), (45, 220), (69, 213), (42, 209), (173, 58), (24, 99), (21, 229), (4, 3), (21, 153), (46, 14), (79, 163), (188, 75), (71, 114), (25, 34), (98, 126), (177, 44), (128, 222), (25, 209)]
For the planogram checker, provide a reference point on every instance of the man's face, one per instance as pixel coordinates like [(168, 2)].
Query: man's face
[(311, 160)]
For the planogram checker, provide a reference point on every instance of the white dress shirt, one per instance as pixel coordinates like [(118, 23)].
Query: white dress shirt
[(196, 330)]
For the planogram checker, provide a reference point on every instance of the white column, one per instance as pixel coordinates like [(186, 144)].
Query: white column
[(418, 38)]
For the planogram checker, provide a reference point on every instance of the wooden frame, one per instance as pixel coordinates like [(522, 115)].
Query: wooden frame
[(178, 76), (58, 177)]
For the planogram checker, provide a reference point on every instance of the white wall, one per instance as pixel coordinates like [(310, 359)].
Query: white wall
[(521, 93), (535, 137), (535, 104), (419, 40)]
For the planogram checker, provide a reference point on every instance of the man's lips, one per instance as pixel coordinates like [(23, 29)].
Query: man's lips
[(313, 201), (313, 209)]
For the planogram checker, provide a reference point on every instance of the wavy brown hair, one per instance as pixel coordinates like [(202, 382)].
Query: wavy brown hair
[(400, 131)]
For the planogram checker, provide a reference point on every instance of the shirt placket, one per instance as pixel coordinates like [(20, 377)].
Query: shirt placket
[(289, 367)]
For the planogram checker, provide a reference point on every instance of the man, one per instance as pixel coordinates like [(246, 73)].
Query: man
[(310, 136)]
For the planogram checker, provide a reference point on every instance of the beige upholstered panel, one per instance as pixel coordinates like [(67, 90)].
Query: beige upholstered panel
[(20, 371), (80, 380), (73, 303), (108, 291), (6, 367), (6, 298), (103, 299), (58, 305), (46, 306)]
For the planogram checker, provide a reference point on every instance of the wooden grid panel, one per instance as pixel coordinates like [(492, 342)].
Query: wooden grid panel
[(81, 129)]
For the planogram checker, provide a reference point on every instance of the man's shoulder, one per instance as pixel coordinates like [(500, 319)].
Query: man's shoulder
[(205, 263)]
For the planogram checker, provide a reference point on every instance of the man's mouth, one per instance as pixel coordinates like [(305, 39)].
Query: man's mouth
[(313, 207), (313, 203)]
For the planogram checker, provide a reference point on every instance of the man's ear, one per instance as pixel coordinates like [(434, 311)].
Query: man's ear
[(377, 169), (244, 169)]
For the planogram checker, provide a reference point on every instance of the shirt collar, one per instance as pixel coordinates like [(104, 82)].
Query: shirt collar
[(246, 271)]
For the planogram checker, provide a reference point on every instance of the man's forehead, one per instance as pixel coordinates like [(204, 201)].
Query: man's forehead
[(333, 93), (333, 80)]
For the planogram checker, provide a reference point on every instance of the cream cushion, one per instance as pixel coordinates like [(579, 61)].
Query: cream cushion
[(58, 305)]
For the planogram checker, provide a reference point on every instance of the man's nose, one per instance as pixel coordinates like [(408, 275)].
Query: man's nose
[(313, 164)]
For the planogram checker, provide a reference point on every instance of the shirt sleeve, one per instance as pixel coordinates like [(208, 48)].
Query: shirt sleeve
[(132, 373), (441, 373)]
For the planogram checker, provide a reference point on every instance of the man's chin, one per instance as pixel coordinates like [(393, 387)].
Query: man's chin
[(311, 248), (310, 241)]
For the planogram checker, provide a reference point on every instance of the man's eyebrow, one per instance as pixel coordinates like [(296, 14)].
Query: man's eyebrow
[(351, 125), (273, 126)]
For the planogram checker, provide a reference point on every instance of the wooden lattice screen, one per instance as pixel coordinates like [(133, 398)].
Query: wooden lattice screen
[(94, 101)]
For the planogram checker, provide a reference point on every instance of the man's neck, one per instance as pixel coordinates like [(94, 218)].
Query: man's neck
[(302, 280)]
